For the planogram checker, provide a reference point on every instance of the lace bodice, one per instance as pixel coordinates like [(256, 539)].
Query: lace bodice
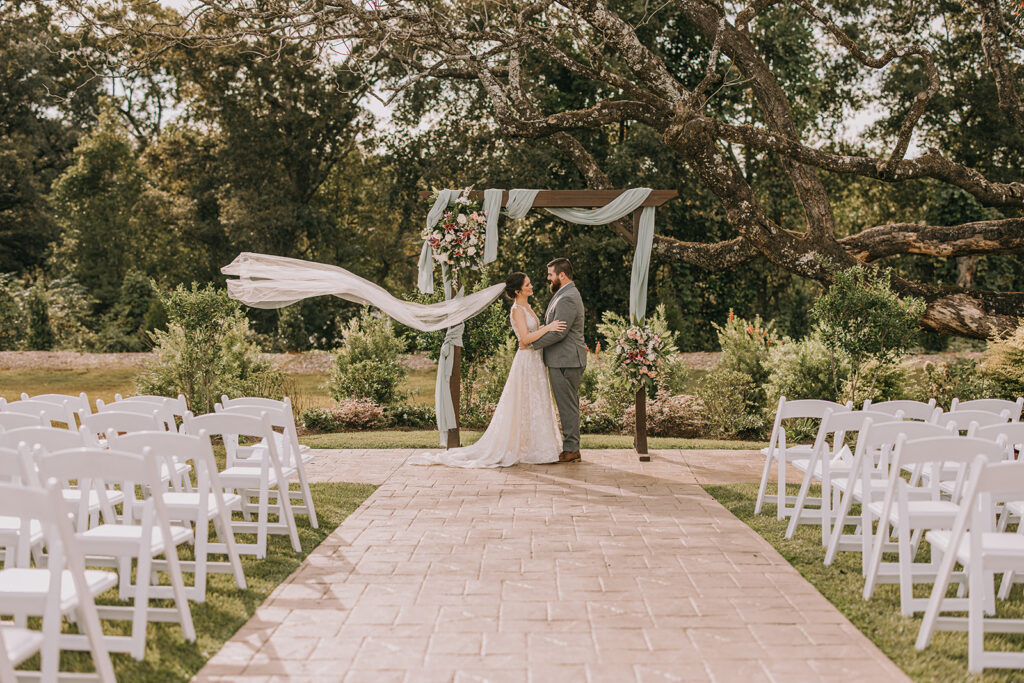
[(532, 323)]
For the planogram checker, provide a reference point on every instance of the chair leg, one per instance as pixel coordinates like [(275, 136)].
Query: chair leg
[(262, 521), (286, 512), (798, 508), (906, 569), (222, 524), (201, 550), (781, 510), (975, 619), (762, 488), (307, 495), (877, 543), (140, 607)]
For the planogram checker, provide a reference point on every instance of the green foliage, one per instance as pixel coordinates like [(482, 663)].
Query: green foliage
[(880, 382), (746, 344), (1004, 363), (493, 373), (668, 415), (137, 308), (11, 325), (861, 318), (961, 378), (674, 374), (803, 369), (39, 330), (206, 351), (729, 398), (410, 415), (367, 365)]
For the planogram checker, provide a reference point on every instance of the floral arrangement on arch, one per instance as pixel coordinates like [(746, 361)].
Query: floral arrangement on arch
[(639, 351), (639, 348), (457, 241)]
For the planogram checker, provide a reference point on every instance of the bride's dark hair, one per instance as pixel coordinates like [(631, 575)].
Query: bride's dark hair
[(513, 283)]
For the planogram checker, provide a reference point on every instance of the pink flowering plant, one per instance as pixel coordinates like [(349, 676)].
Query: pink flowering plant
[(457, 240)]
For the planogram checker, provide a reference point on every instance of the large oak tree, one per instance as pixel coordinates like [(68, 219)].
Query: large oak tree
[(507, 49)]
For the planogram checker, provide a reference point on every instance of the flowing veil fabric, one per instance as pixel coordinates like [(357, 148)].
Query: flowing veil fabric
[(524, 428), (266, 281)]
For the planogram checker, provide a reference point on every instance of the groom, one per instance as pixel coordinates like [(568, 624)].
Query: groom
[(565, 354)]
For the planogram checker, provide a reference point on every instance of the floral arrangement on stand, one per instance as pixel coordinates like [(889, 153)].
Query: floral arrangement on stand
[(457, 241), (639, 350)]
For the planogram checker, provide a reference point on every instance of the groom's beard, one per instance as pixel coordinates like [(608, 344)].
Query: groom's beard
[(555, 286)]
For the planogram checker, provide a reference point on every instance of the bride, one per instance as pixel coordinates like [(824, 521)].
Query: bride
[(524, 427)]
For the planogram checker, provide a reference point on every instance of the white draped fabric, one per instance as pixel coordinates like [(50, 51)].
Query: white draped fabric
[(266, 281)]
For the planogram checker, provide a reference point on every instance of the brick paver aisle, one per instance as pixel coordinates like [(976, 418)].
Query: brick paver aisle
[(607, 570)]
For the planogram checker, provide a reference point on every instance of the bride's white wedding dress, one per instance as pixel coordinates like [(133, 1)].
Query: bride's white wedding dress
[(524, 428)]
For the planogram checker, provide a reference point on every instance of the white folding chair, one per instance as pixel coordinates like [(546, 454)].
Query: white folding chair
[(867, 480), (990, 405), (177, 406), (18, 420), (308, 454), (252, 479), (47, 412), (287, 447), (782, 453), (981, 551), (72, 404), (963, 419), (911, 410), (914, 507), (98, 424), (142, 532), (17, 469), (162, 413), (824, 460), (48, 438), (63, 587), (16, 645), (207, 502)]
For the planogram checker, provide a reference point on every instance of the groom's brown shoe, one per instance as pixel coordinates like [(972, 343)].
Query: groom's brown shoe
[(569, 456)]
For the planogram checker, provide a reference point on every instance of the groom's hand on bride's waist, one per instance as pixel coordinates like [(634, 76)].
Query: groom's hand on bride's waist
[(524, 346)]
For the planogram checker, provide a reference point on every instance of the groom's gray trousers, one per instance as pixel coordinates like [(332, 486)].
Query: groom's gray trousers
[(565, 385)]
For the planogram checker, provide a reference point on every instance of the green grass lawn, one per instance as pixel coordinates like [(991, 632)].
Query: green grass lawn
[(168, 656), (429, 439), (879, 618)]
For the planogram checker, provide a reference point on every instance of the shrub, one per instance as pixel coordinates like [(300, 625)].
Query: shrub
[(881, 382), (493, 373), (596, 419), (615, 393), (803, 369), (367, 365), (206, 351), (11, 323), (960, 378), (39, 330), (1004, 363), (125, 325), (679, 415), (351, 414), (476, 415), (412, 415), (745, 346), (674, 374), (729, 399), (860, 317)]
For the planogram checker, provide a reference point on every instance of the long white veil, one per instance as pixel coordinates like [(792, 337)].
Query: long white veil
[(266, 281)]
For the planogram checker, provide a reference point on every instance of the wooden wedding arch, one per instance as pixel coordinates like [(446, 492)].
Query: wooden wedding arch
[(567, 199)]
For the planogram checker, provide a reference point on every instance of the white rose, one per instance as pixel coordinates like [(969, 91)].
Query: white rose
[(461, 220), (471, 251), (449, 237)]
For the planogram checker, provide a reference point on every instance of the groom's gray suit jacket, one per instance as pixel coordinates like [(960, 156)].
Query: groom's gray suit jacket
[(564, 349)]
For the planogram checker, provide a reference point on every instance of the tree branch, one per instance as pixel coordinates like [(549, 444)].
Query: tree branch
[(931, 165), (980, 237)]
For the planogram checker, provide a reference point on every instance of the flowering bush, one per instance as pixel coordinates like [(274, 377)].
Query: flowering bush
[(457, 240), (960, 378), (412, 415), (679, 415), (597, 418), (350, 414)]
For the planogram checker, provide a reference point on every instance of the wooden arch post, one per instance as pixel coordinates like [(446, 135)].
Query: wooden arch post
[(583, 199)]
